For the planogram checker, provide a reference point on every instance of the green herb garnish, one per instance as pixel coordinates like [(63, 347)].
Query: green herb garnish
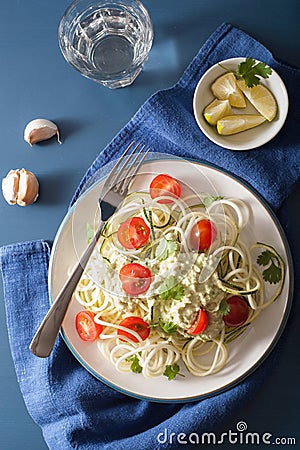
[(135, 364), (171, 289), (207, 201), (166, 248), (168, 327), (251, 71), (273, 273), (171, 372), (224, 308)]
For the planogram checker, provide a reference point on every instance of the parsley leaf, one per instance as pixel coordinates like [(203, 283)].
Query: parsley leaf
[(224, 308), (166, 248), (171, 289), (171, 371), (135, 364), (264, 258), (250, 71), (207, 201), (273, 273), (168, 327)]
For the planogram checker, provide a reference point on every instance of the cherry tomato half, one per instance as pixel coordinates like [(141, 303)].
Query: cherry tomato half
[(86, 327), (239, 311), (202, 235), (135, 278), (133, 233), (136, 324), (200, 323), (165, 185)]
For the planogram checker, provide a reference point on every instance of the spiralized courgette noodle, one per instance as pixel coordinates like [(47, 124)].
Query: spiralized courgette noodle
[(227, 268)]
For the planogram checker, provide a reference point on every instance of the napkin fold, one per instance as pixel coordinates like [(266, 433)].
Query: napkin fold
[(74, 409)]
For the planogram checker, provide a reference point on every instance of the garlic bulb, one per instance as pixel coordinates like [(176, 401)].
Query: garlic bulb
[(40, 130), (20, 187)]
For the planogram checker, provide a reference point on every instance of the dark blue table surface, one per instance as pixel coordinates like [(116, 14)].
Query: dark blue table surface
[(35, 81)]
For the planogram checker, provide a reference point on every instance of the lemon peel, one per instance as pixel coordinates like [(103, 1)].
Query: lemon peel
[(238, 122), (216, 110)]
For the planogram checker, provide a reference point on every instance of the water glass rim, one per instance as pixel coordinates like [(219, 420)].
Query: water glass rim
[(82, 10)]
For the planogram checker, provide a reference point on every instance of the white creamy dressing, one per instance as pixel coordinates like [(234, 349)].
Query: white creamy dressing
[(186, 269), (207, 295)]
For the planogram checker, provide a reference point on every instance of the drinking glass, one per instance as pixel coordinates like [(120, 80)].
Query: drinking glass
[(106, 41)]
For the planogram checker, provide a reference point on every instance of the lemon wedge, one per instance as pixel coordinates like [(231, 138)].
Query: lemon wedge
[(238, 122), (226, 88), (261, 98), (216, 110)]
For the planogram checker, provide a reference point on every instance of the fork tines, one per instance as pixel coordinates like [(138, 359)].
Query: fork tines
[(127, 167)]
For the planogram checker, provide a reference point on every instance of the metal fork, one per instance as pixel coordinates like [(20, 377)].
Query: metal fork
[(113, 193)]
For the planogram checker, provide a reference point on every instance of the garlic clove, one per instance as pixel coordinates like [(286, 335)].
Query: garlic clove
[(40, 130), (28, 188), (10, 186), (20, 187)]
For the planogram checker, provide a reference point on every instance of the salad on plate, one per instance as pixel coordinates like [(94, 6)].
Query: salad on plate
[(171, 282)]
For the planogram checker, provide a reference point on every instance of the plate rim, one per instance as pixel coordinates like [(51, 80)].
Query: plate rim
[(264, 356), (233, 146)]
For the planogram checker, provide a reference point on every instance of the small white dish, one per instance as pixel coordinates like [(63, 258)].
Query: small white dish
[(248, 139)]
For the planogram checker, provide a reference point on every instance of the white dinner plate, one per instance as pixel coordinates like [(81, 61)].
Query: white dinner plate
[(246, 353)]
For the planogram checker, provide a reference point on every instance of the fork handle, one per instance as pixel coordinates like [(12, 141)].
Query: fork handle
[(45, 337)]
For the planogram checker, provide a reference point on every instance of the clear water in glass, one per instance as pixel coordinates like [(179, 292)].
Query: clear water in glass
[(108, 43)]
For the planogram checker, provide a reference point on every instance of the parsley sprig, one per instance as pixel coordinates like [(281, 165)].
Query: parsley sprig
[(251, 71), (172, 371), (273, 273), (168, 327), (170, 289), (166, 248), (209, 199), (135, 364), (224, 308)]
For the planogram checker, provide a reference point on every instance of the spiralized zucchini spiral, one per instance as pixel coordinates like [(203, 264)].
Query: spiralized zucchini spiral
[(224, 269)]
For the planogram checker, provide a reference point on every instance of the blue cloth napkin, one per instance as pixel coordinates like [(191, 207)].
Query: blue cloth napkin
[(74, 409)]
